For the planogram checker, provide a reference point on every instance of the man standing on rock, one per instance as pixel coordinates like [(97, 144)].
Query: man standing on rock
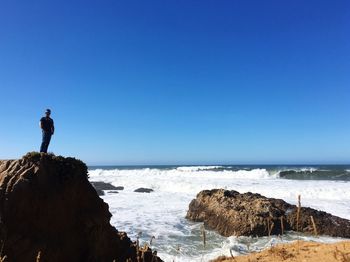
[(47, 127)]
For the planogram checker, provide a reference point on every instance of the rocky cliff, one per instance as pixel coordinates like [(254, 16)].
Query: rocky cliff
[(47, 205), (232, 213)]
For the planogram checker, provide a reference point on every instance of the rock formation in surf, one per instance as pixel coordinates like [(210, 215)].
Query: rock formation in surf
[(101, 186), (231, 213), (143, 190), (47, 205)]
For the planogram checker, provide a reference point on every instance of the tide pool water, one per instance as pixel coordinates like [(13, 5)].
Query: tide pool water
[(162, 213)]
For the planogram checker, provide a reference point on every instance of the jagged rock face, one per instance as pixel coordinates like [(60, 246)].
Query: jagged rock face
[(231, 213), (47, 204)]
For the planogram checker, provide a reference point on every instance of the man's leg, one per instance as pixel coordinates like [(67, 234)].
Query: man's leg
[(45, 142), (48, 139), (42, 147)]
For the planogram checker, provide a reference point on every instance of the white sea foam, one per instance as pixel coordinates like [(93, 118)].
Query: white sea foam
[(308, 169), (162, 213)]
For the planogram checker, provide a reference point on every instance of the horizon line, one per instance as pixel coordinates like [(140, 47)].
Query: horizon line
[(250, 164)]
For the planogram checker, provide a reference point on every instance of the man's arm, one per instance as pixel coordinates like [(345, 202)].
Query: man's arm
[(41, 124), (52, 128)]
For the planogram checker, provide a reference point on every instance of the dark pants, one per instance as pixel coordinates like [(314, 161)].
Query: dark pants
[(46, 141)]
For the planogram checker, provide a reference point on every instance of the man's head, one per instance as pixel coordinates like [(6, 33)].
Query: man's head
[(48, 112)]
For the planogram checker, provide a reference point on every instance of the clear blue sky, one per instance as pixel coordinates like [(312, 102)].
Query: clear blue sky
[(177, 82)]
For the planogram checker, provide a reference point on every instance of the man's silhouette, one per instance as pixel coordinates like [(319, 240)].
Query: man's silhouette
[(47, 127)]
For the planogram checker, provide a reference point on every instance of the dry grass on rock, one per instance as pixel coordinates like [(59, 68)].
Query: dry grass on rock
[(298, 251)]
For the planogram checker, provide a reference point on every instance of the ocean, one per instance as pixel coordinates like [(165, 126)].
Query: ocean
[(161, 214)]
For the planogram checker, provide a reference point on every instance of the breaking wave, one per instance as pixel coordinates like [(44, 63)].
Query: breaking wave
[(314, 174), (198, 168)]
